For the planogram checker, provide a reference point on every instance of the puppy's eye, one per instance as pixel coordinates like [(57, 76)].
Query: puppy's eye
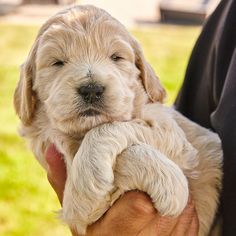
[(115, 57), (58, 63)]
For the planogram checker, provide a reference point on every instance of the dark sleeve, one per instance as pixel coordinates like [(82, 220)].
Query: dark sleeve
[(208, 95)]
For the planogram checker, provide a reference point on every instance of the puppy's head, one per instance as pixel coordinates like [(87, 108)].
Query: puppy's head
[(86, 69)]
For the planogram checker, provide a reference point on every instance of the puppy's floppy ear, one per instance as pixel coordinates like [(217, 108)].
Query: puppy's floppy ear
[(151, 83), (24, 96)]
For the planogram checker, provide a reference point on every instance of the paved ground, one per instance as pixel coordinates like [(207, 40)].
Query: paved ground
[(13, 12), (129, 12)]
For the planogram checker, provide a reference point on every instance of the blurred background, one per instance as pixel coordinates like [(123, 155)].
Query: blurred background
[(166, 29)]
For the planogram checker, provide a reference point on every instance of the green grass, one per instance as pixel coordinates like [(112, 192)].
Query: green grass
[(27, 203), (167, 48)]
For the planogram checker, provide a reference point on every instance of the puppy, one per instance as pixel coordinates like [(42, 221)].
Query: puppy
[(87, 88)]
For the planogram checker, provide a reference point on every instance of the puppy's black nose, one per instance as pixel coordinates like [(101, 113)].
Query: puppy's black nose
[(91, 92)]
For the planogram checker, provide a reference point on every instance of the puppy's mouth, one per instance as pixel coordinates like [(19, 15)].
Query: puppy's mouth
[(90, 112)]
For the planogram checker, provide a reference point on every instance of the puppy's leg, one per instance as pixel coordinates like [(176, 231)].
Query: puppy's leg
[(145, 168), (90, 177), (90, 184)]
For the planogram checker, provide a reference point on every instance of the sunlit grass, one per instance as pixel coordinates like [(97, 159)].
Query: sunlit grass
[(27, 203), (167, 48)]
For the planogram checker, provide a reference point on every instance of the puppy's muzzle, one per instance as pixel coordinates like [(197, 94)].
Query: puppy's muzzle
[(91, 93)]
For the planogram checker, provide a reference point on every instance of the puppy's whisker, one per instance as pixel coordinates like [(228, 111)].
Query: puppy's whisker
[(154, 151)]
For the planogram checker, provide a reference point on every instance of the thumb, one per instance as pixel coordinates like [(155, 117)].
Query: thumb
[(56, 171)]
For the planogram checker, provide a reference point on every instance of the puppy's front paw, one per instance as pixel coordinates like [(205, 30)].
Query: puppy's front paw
[(71, 213), (81, 210), (144, 168)]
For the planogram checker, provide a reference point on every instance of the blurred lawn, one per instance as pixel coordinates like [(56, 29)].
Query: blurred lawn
[(27, 203)]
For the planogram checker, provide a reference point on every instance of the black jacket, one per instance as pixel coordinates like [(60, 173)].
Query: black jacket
[(208, 95)]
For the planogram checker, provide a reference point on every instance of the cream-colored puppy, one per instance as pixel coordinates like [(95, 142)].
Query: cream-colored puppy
[(87, 88)]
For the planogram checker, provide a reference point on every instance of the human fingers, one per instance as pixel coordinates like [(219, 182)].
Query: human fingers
[(128, 216), (194, 226), (185, 221)]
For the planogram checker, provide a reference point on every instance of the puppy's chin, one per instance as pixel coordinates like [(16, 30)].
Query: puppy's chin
[(90, 113), (82, 123)]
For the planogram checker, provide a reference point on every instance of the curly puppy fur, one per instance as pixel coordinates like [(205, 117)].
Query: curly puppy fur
[(87, 88)]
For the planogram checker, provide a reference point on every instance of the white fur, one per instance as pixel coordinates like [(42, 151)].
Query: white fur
[(134, 143)]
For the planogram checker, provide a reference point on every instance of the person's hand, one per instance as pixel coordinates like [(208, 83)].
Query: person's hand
[(57, 171), (132, 214)]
